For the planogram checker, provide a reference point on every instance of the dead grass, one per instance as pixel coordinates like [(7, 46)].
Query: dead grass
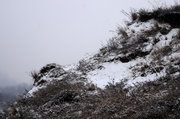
[(85, 66), (161, 14), (122, 31), (35, 76), (67, 100)]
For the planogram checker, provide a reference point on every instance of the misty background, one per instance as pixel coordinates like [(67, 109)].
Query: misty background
[(34, 33)]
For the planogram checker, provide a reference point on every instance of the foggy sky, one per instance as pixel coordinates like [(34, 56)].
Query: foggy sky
[(36, 32)]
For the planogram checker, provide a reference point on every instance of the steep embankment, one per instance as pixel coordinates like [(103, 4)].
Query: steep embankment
[(136, 75)]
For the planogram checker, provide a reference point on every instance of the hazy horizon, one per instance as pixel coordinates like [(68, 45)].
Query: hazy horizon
[(34, 33)]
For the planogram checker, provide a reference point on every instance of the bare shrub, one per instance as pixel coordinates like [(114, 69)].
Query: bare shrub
[(48, 67), (35, 76), (115, 89), (85, 66), (144, 15), (168, 15), (113, 45), (122, 31), (134, 16)]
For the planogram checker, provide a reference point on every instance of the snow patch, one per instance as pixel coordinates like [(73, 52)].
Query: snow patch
[(139, 79), (115, 72)]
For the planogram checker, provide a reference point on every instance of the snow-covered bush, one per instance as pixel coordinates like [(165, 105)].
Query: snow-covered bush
[(168, 15), (84, 66)]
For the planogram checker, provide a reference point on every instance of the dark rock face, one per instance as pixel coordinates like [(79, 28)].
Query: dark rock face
[(52, 70), (47, 68)]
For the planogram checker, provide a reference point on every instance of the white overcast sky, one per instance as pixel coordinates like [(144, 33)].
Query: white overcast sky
[(36, 32)]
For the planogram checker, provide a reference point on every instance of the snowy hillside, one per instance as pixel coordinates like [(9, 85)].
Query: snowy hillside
[(110, 68), (135, 76)]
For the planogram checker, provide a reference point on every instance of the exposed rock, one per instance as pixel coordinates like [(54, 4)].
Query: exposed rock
[(49, 71)]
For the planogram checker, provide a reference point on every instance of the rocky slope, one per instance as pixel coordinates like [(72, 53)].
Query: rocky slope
[(135, 76)]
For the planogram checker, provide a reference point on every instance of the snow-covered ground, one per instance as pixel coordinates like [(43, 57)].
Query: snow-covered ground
[(117, 72), (111, 73)]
